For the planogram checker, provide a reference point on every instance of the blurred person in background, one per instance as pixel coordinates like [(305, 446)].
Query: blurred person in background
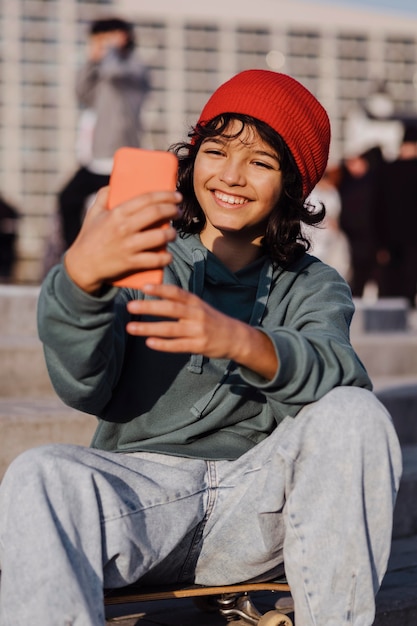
[(396, 223), (358, 179), (111, 88), (328, 241), (8, 235)]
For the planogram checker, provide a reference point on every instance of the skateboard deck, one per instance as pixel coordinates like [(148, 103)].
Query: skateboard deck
[(232, 600)]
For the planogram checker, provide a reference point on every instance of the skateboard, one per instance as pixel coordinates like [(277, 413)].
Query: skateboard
[(231, 601)]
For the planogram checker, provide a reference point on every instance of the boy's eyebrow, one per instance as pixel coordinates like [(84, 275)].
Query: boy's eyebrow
[(272, 155), (217, 139), (222, 140)]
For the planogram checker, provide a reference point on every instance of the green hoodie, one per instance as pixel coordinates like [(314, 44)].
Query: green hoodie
[(190, 405)]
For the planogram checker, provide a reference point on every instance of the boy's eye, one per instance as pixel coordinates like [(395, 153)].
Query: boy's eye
[(267, 166), (213, 151)]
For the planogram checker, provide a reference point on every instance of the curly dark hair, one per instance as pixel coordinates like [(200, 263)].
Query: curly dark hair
[(110, 24), (283, 240)]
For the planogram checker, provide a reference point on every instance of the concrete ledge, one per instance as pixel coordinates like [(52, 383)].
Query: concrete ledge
[(401, 402), (33, 422), (22, 367), (387, 354), (383, 315), (383, 383), (18, 305), (405, 513)]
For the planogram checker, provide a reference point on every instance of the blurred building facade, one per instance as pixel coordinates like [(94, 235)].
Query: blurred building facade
[(340, 54)]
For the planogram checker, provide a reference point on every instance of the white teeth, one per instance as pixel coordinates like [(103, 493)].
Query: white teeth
[(229, 199)]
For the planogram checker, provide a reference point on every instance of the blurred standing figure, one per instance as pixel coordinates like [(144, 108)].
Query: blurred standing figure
[(396, 224), (328, 241), (111, 88), (9, 216), (359, 177)]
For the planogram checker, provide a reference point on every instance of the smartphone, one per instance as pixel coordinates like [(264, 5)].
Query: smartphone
[(137, 171)]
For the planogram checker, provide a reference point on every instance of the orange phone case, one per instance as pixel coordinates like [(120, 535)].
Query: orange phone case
[(137, 171)]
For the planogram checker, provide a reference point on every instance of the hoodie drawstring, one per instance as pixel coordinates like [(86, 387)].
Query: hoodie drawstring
[(195, 364), (262, 295)]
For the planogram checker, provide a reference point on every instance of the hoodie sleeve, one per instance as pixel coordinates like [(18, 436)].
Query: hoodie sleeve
[(85, 84), (308, 322), (84, 340), (115, 69)]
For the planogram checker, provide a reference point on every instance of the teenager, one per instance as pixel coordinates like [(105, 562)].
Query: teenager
[(237, 428)]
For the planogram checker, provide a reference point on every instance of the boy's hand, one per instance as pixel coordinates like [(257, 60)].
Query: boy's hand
[(113, 244), (191, 325)]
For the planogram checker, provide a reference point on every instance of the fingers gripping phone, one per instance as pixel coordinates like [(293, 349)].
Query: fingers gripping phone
[(137, 171)]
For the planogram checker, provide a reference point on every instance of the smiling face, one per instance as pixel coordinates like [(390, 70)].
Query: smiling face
[(237, 182)]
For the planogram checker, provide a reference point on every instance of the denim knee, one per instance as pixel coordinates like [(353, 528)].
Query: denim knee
[(30, 462), (353, 413)]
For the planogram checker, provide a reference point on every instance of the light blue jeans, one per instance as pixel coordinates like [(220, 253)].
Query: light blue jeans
[(318, 494)]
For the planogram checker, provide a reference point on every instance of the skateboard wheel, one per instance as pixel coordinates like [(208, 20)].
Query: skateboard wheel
[(274, 618)]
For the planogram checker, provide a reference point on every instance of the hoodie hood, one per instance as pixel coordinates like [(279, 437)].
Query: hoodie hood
[(201, 272)]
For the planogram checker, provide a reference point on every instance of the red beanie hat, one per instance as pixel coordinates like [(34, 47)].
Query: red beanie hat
[(288, 107)]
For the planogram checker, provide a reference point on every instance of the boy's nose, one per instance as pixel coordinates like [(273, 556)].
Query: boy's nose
[(232, 174)]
